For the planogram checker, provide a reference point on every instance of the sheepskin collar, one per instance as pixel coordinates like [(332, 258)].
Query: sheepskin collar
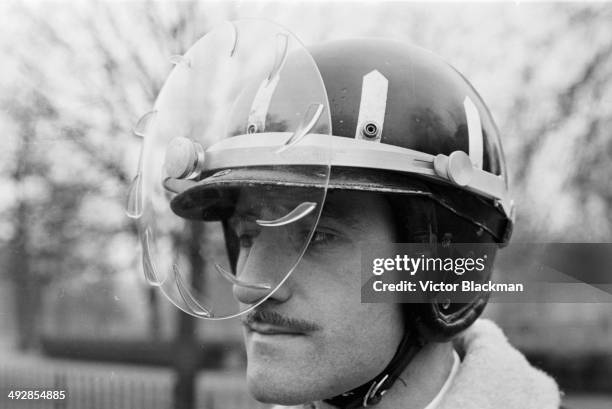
[(495, 375)]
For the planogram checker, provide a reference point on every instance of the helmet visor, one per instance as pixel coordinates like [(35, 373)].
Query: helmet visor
[(244, 105)]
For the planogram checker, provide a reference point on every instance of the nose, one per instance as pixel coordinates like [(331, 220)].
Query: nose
[(264, 264), (250, 296)]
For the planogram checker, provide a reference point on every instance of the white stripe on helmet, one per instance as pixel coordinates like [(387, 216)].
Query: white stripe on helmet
[(474, 132), (372, 106)]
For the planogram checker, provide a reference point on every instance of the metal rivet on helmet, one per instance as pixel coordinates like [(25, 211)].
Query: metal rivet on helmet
[(251, 129), (370, 130), (184, 158)]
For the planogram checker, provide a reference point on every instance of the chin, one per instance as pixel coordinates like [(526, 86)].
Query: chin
[(270, 384), (291, 383), (286, 382), (277, 371)]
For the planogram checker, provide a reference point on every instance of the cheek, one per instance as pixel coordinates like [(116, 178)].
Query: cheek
[(374, 328), (358, 339), (358, 343), (355, 343)]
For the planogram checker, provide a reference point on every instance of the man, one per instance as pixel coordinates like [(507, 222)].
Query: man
[(306, 158)]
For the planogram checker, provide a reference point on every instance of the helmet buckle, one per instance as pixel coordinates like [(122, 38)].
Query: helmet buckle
[(373, 397)]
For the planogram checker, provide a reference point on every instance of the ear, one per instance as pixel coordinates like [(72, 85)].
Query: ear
[(440, 319), (439, 325)]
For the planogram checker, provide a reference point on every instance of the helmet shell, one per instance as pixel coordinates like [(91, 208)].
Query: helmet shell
[(418, 102), (425, 98), (386, 100)]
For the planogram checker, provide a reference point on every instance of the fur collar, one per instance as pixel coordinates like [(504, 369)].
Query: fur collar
[(493, 374)]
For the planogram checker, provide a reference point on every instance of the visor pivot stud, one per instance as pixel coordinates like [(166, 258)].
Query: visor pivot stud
[(184, 159), (457, 167)]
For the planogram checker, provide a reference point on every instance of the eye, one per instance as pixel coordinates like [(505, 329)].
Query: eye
[(322, 238), (245, 229)]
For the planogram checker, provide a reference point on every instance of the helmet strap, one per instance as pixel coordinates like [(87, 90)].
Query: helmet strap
[(371, 392)]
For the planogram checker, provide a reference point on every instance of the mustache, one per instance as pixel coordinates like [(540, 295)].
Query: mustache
[(276, 319)]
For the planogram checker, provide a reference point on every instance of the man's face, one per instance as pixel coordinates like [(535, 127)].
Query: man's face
[(313, 339)]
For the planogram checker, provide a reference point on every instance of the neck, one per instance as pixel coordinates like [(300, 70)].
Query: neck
[(422, 380)]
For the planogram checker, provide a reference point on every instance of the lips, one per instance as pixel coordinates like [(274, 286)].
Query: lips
[(269, 329)]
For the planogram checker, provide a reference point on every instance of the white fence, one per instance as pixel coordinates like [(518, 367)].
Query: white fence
[(106, 386)]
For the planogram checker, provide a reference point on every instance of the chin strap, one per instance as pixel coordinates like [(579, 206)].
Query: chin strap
[(371, 392)]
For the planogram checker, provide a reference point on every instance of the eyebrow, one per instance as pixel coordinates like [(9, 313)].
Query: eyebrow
[(332, 211)]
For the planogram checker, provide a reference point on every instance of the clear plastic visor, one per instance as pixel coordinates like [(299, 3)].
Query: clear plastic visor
[(234, 169)]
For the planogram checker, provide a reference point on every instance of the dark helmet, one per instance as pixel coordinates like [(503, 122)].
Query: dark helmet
[(403, 123), (397, 95), (399, 121)]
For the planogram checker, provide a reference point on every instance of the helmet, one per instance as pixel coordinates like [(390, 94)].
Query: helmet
[(394, 95), (370, 115), (397, 99), (431, 145)]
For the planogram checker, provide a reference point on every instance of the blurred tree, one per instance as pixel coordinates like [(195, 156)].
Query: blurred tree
[(186, 342), (85, 74), (24, 279), (88, 70), (564, 156)]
